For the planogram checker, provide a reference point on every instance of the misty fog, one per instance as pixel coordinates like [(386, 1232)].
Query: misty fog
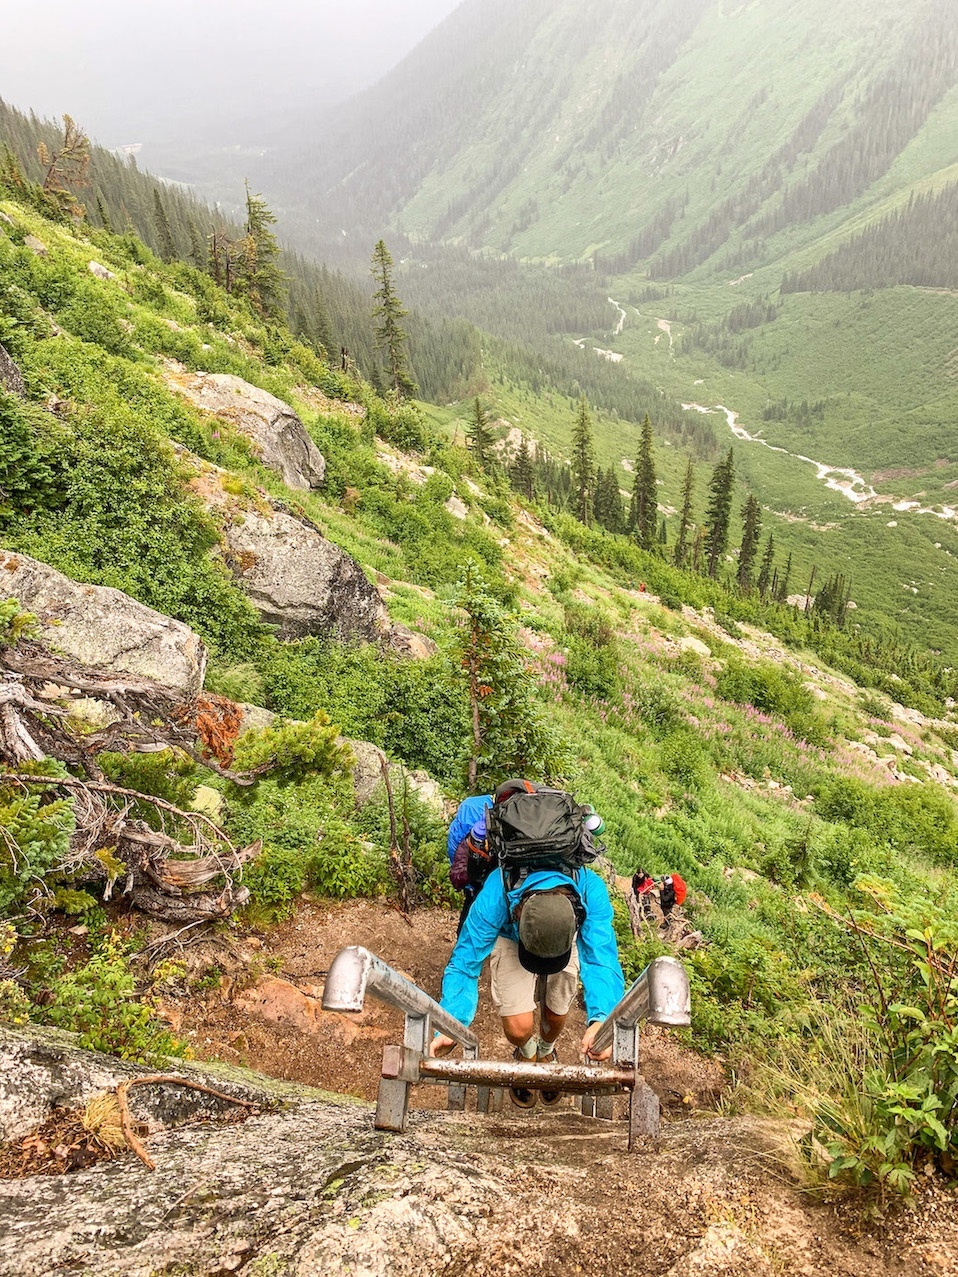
[(216, 73)]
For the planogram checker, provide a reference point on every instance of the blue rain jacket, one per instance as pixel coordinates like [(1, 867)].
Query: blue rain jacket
[(491, 916), (469, 811)]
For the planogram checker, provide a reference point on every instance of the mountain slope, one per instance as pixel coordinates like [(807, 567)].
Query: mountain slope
[(625, 131)]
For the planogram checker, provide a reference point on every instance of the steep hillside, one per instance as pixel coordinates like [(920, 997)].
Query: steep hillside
[(654, 132), (160, 438), (739, 173)]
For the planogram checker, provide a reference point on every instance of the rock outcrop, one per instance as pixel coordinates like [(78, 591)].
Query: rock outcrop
[(11, 378), (299, 581), (103, 628), (274, 428), (311, 1188), (42, 1070)]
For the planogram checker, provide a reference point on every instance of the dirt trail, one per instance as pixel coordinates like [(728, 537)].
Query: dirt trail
[(715, 1197), (344, 1053)]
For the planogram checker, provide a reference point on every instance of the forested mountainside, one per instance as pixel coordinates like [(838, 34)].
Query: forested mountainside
[(662, 133), (736, 178)]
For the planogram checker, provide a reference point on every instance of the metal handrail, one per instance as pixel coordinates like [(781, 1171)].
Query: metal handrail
[(660, 995), (355, 971)]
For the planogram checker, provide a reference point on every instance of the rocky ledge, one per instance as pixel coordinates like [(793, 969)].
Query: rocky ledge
[(309, 1187)]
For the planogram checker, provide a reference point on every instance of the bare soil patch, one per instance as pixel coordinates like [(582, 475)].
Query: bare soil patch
[(344, 1053)]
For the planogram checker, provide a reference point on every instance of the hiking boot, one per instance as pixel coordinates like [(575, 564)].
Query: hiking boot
[(550, 1097), (521, 1096)]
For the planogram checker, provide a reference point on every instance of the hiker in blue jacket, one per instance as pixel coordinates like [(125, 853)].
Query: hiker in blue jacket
[(551, 924), (474, 809), (469, 811)]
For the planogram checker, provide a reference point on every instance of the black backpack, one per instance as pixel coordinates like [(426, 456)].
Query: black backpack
[(541, 830)]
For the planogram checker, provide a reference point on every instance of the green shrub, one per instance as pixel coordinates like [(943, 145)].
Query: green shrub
[(99, 1002), (35, 829), (28, 474), (291, 752), (15, 623), (917, 819), (591, 670), (683, 759), (895, 1104)]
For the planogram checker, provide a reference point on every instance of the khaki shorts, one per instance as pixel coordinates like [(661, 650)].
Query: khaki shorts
[(514, 988)]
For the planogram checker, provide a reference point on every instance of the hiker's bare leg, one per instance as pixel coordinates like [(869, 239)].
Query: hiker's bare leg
[(551, 1025), (519, 1028)]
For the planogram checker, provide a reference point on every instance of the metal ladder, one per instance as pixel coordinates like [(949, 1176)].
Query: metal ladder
[(659, 996)]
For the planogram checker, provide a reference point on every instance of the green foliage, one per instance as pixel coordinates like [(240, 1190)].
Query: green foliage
[(307, 843), (419, 828), (918, 820), (412, 709), (291, 752), (98, 1001), (399, 422), (15, 623), (684, 760), (902, 1107), (125, 519), (35, 830), (592, 652), (773, 690), (242, 683), (510, 735), (14, 1003), (167, 774), (28, 475)]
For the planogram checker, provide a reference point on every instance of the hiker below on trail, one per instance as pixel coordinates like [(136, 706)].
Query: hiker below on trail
[(672, 892), (668, 892), (542, 913), (643, 884)]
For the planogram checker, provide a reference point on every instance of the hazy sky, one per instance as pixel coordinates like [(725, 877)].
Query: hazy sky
[(131, 69)]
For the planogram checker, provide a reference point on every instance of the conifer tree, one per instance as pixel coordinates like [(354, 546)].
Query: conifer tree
[(479, 434), (68, 166), (765, 571), (718, 513), (643, 509), (163, 232), (781, 592), (523, 476), (698, 550), (832, 599), (583, 464), (223, 259), (608, 501), (103, 215), (509, 735), (681, 551), (265, 282), (751, 533), (197, 256), (387, 313)]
